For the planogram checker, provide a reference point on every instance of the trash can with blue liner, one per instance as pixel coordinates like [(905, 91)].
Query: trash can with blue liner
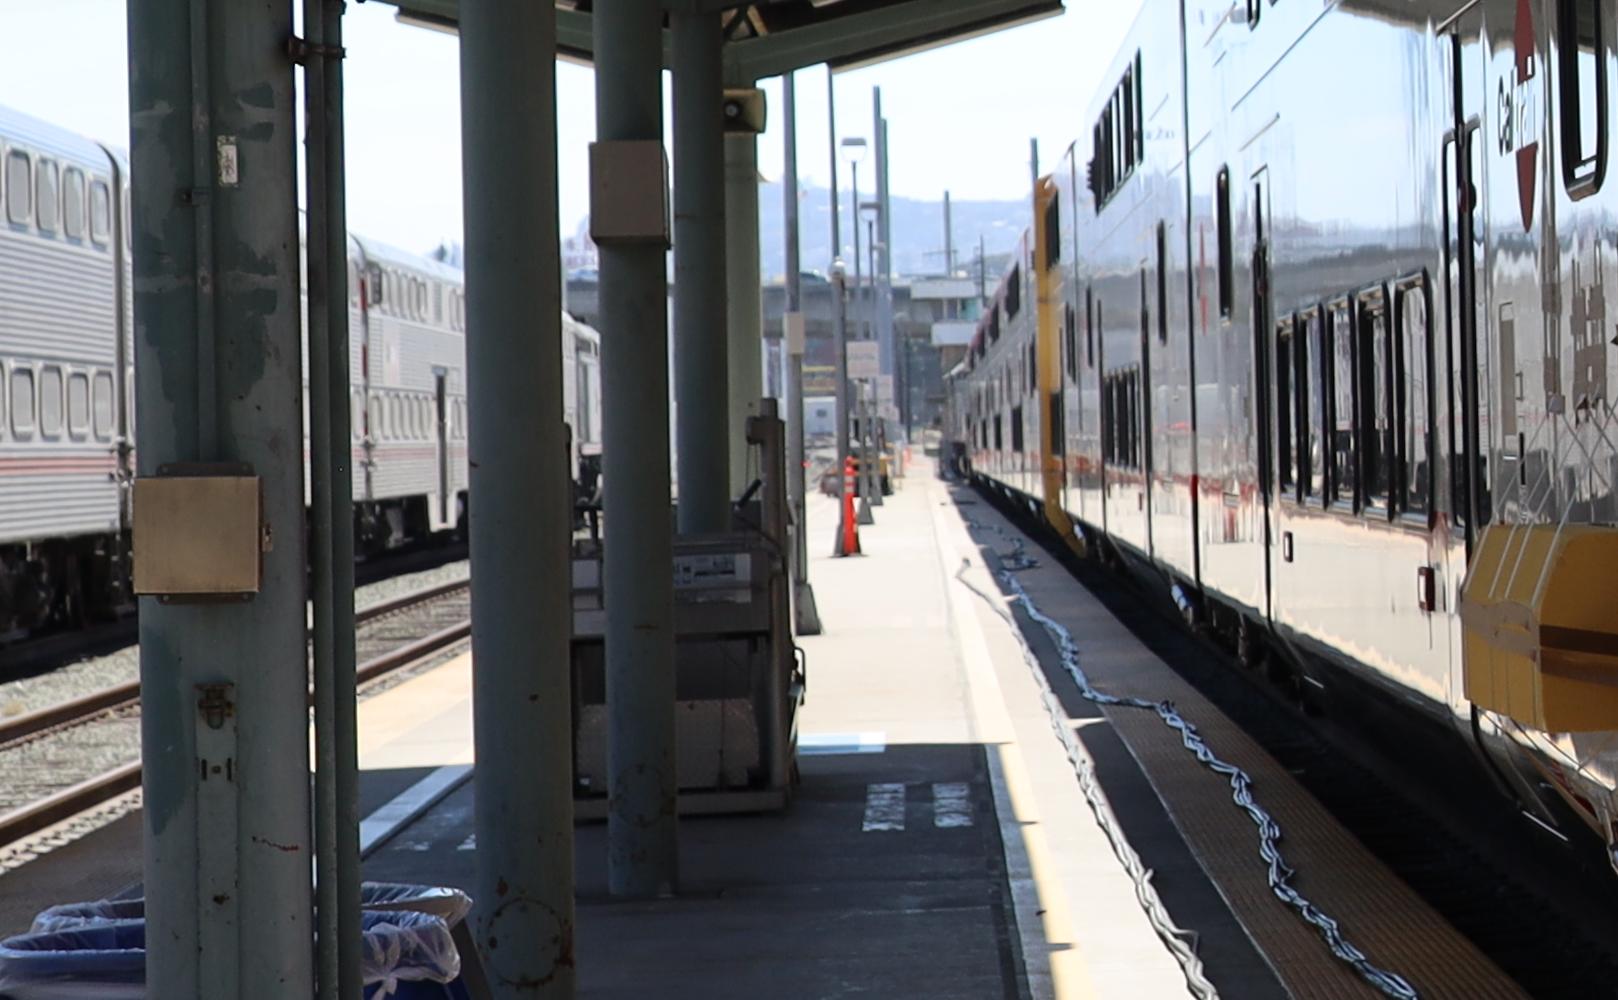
[(404, 956)]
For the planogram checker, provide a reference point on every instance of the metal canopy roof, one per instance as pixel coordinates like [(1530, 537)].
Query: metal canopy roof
[(767, 38)]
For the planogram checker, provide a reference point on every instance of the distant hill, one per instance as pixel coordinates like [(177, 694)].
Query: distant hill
[(918, 230)]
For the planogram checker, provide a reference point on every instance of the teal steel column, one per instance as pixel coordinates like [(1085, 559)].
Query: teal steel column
[(744, 296), (701, 356), (331, 537), (642, 843), (521, 512), (214, 231)]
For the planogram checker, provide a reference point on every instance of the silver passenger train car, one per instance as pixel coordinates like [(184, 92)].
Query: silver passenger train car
[(1312, 330), (67, 387)]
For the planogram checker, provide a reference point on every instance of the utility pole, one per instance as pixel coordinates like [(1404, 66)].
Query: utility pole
[(806, 614)]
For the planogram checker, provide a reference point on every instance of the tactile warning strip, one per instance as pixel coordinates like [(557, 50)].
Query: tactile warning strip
[(1378, 911)]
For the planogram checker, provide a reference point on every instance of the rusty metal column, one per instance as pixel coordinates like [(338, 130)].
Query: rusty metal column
[(744, 293), (224, 721), (629, 220), (522, 515), (701, 358)]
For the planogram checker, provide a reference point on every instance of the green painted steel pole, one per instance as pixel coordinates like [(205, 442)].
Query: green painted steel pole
[(642, 826), (331, 536), (701, 356), (523, 918), (224, 721), (744, 295)]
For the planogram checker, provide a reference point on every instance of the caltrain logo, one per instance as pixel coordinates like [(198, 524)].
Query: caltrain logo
[(1519, 113)]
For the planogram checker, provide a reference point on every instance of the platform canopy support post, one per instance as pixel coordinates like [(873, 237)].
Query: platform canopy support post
[(224, 721), (521, 522), (629, 222), (806, 614), (744, 287), (701, 355)]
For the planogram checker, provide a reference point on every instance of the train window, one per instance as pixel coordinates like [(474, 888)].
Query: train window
[(73, 203), (78, 404), (1033, 363), (102, 403), (1162, 283), (999, 442), (1344, 467), (19, 187), (1092, 319), (1583, 84), (1286, 461), (1222, 222), (1376, 395), (1014, 292), (22, 402), (1016, 430), (50, 401), (47, 197), (356, 414), (1415, 397), (100, 212), (1313, 359)]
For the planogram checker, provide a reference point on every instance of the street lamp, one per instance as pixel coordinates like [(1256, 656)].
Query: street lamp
[(854, 148), (839, 279)]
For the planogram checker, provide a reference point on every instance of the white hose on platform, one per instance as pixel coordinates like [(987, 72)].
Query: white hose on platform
[(1180, 942)]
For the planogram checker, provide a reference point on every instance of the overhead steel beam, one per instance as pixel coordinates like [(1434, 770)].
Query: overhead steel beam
[(875, 34), (783, 37)]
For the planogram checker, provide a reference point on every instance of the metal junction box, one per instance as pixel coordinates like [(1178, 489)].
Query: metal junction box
[(629, 192), (198, 536)]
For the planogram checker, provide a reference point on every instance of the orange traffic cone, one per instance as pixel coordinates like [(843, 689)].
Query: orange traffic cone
[(848, 531)]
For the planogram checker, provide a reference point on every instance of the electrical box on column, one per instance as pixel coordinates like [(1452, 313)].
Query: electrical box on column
[(629, 192), (199, 533)]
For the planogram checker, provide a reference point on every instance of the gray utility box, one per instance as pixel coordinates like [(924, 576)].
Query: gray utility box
[(738, 685)]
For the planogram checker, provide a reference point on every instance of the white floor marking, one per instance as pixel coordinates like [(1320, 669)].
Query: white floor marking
[(829, 744), (884, 807), (469, 844), (409, 805), (952, 805)]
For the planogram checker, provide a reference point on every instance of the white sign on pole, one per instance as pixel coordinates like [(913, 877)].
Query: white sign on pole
[(890, 413), (864, 359), (884, 388)]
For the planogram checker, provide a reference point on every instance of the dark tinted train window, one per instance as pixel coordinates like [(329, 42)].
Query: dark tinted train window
[(1313, 379), (1092, 319), (1286, 461), (1583, 82), (1016, 429), (1344, 470), (1377, 438), (19, 187), (1033, 367), (1014, 292), (1415, 398), (1222, 211), (1162, 283), (1053, 231)]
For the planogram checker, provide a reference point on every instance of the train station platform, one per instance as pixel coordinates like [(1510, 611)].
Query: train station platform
[(937, 845)]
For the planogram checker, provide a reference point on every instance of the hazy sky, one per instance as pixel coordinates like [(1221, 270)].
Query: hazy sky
[(959, 117)]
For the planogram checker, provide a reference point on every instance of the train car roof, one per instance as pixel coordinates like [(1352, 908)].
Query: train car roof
[(384, 253), (53, 140)]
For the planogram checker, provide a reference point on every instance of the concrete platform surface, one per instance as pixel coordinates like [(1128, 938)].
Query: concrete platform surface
[(937, 847)]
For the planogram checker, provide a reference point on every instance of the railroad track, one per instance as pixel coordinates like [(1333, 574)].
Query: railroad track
[(70, 758)]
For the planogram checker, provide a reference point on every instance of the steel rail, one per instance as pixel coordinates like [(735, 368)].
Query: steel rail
[(119, 695), (88, 794)]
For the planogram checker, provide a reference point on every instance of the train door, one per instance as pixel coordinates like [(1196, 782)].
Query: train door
[(441, 415), (1464, 236), (1263, 374)]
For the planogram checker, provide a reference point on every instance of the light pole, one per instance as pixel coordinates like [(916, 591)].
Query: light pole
[(873, 411), (854, 151), (840, 336)]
